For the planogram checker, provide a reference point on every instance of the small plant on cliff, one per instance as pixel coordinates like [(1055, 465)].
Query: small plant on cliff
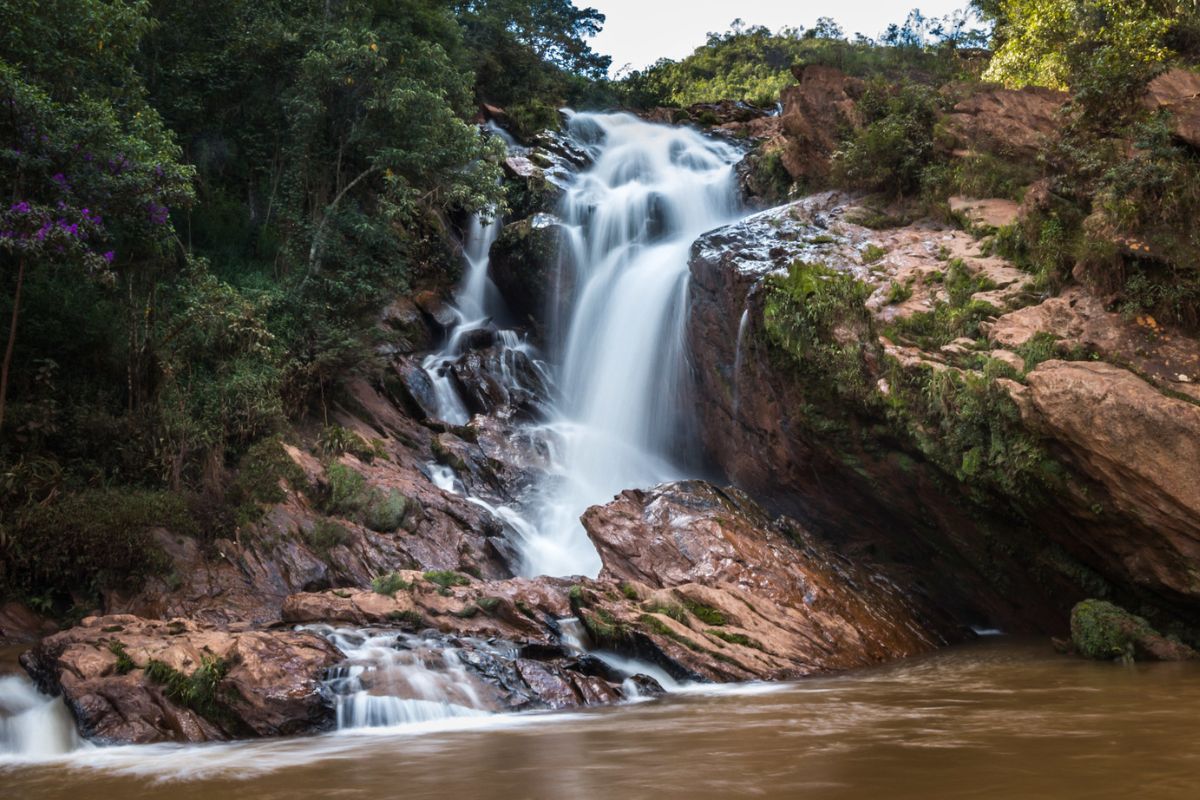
[(705, 613), (735, 638), (389, 584), (125, 664), (818, 317), (201, 691), (445, 578), (325, 535)]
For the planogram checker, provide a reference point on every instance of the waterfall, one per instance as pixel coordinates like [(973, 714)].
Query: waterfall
[(619, 419), (33, 725), (651, 191)]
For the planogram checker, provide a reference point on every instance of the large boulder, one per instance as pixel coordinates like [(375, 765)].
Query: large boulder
[(1142, 448), (129, 680), (1105, 632)]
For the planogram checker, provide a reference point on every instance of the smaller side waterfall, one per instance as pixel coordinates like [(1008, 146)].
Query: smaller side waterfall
[(33, 725), (392, 679)]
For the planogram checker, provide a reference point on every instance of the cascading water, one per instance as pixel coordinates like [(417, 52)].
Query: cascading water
[(630, 220), (394, 679), (651, 191), (33, 725)]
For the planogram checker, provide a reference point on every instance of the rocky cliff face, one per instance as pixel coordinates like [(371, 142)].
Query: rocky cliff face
[(839, 428)]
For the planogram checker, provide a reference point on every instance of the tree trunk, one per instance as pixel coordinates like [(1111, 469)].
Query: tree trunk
[(12, 339)]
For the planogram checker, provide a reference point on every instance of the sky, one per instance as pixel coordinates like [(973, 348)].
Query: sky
[(639, 32)]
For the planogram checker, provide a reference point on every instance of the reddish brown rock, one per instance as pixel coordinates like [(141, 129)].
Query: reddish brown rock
[(1007, 122), (815, 110), (268, 680), (1178, 91), (1143, 448)]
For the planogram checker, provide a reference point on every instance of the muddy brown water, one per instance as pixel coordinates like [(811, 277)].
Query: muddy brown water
[(998, 719)]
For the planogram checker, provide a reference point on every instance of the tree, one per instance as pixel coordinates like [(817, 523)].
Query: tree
[(1103, 51)]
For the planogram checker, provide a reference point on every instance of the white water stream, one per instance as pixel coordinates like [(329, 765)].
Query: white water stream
[(630, 219)]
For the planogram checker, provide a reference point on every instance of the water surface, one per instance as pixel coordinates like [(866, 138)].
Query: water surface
[(999, 719)]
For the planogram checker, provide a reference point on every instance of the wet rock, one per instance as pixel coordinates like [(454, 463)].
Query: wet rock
[(129, 680), (436, 310), (1103, 631), (525, 266), (403, 318), (416, 389), (766, 596)]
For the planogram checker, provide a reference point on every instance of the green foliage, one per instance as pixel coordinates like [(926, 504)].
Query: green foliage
[(201, 691), (895, 146), (385, 511), (1103, 50), (389, 584), (748, 64), (673, 610), (735, 638), (1103, 631), (705, 613), (446, 578), (91, 541), (125, 664), (873, 253), (409, 618), (347, 492), (325, 535), (817, 316), (263, 472), (656, 625), (630, 591), (898, 292)]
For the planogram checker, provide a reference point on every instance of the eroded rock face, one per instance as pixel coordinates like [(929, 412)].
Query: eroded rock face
[(822, 103), (265, 683), (1116, 528), (1144, 448), (1008, 122)]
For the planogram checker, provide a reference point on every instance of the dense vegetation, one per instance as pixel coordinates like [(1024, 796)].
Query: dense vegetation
[(205, 211), (752, 63)]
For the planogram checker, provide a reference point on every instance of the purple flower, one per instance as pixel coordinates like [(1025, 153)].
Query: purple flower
[(21, 207), (158, 213), (109, 256), (43, 232)]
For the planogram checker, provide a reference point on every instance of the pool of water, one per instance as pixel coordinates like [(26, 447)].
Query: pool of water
[(998, 719)]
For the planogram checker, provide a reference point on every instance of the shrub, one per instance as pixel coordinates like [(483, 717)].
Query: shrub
[(94, 540), (201, 691), (325, 535), (389, 584), (895, 146), (385, 511), (446, 578)]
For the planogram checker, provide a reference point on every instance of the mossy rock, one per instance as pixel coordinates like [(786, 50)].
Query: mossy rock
[(1105, 632)]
